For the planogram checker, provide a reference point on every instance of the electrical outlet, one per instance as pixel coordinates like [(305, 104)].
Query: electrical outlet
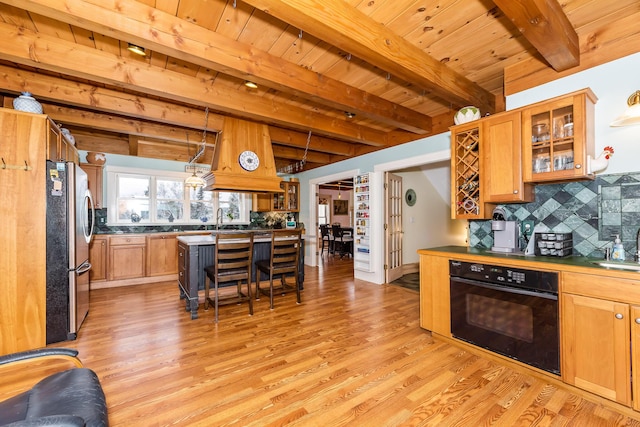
[(526, 228)]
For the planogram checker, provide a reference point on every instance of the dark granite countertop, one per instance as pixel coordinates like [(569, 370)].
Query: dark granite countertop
[(569, 263)]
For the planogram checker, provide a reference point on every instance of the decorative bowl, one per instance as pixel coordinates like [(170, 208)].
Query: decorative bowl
[(96, 158), (466, 114)]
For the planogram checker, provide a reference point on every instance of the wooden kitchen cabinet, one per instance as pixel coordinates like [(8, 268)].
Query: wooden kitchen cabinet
[(596, 335), (58, 148), (162, 254), (98, 258), (262, 202), (95, 177), (127, 257), (557, 136), (288, 201), (23, 282), (501, 170), (292, 196), (435, 314)]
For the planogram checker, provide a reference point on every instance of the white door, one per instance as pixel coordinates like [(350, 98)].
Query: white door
[(393, 227)]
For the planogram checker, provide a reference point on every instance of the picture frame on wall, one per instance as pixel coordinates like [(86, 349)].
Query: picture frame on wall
[(340, 207)]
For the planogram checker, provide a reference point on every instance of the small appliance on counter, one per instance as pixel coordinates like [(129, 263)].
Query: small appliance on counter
[(506, 234)]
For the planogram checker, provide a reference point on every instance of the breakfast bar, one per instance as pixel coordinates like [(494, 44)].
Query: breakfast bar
[(197, 252)]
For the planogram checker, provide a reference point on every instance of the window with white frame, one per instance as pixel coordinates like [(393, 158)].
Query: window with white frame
[(159, 197)]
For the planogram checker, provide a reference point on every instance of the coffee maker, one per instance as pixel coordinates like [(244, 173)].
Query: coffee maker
[(506, 234)]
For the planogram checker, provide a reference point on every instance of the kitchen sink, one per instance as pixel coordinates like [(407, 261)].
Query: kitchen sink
[(633, 266)]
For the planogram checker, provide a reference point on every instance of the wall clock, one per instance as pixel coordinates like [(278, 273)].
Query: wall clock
[(249, 160), (410, 197)]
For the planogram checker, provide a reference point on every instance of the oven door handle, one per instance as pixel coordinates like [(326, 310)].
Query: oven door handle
[(505, 288)]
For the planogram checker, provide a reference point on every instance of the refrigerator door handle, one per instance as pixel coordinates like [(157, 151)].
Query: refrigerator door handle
[(83, 268), (88, 200)]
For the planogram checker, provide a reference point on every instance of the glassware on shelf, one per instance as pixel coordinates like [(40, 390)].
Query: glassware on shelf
[(539, 132)]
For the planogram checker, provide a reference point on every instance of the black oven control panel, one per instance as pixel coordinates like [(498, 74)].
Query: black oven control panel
[(543, 281)]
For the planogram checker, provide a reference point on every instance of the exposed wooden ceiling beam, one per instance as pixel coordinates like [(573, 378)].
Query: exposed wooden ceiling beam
[(295, 154), (25, 47), (56, 89), (138, 128), (317, 143), (175, 37), (358, 34), (130, 107), (544, 24)]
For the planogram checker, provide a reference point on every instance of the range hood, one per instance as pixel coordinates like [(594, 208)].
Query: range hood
[(243, 160)]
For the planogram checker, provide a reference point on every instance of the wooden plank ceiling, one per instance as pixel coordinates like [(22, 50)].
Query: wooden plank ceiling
[(401, 68)]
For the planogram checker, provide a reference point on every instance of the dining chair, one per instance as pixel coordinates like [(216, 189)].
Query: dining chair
[(327, 239), (232, 263), (341, 241), (283, 261)]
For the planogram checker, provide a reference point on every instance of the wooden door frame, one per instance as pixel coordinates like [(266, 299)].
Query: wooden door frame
[(312, 259), (396, 165)]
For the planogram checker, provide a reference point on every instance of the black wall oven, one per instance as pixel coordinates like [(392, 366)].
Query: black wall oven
[(510, 311)]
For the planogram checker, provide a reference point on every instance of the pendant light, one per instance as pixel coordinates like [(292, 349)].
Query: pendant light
[(194, 181), (632, 115)]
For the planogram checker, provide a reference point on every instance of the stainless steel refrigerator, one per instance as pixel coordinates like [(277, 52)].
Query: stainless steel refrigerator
[(70, 219)]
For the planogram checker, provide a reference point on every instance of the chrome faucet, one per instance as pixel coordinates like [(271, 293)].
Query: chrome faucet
[(218, 218)]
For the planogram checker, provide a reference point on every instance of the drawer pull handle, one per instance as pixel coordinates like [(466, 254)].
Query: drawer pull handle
[(619, 316)]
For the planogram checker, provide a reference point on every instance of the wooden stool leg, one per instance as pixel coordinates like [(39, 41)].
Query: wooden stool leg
[(271, 290), (257, 285), (207, 283)]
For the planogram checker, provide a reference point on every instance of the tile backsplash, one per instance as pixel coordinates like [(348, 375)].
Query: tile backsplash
[(593, 211)]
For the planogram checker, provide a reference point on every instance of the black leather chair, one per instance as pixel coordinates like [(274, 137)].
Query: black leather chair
[(72, 397), (285, 253), (233, 254), (327, 239)]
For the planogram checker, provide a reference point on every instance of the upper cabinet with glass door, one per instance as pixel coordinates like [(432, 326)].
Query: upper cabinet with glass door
[(557, 136)]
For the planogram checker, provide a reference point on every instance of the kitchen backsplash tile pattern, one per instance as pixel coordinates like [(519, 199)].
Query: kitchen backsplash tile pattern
[(593, 211), (259, 220)]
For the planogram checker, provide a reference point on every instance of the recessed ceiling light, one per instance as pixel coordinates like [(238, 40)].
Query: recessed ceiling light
[(250, 84), (137, 49)]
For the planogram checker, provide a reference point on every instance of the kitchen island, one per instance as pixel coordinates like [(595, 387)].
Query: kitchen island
[(197, 252)]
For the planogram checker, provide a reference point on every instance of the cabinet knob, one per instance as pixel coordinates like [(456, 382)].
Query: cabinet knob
[(578, 166), (619, 316), (515, 191), (638, 320)]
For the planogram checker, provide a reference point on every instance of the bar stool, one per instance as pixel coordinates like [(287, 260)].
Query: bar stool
[(285, 254), (232, 262)]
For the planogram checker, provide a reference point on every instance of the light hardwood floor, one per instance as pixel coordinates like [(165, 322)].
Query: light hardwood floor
[(351, 354)]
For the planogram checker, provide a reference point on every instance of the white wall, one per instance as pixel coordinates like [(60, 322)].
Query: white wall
[(428, 222)]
